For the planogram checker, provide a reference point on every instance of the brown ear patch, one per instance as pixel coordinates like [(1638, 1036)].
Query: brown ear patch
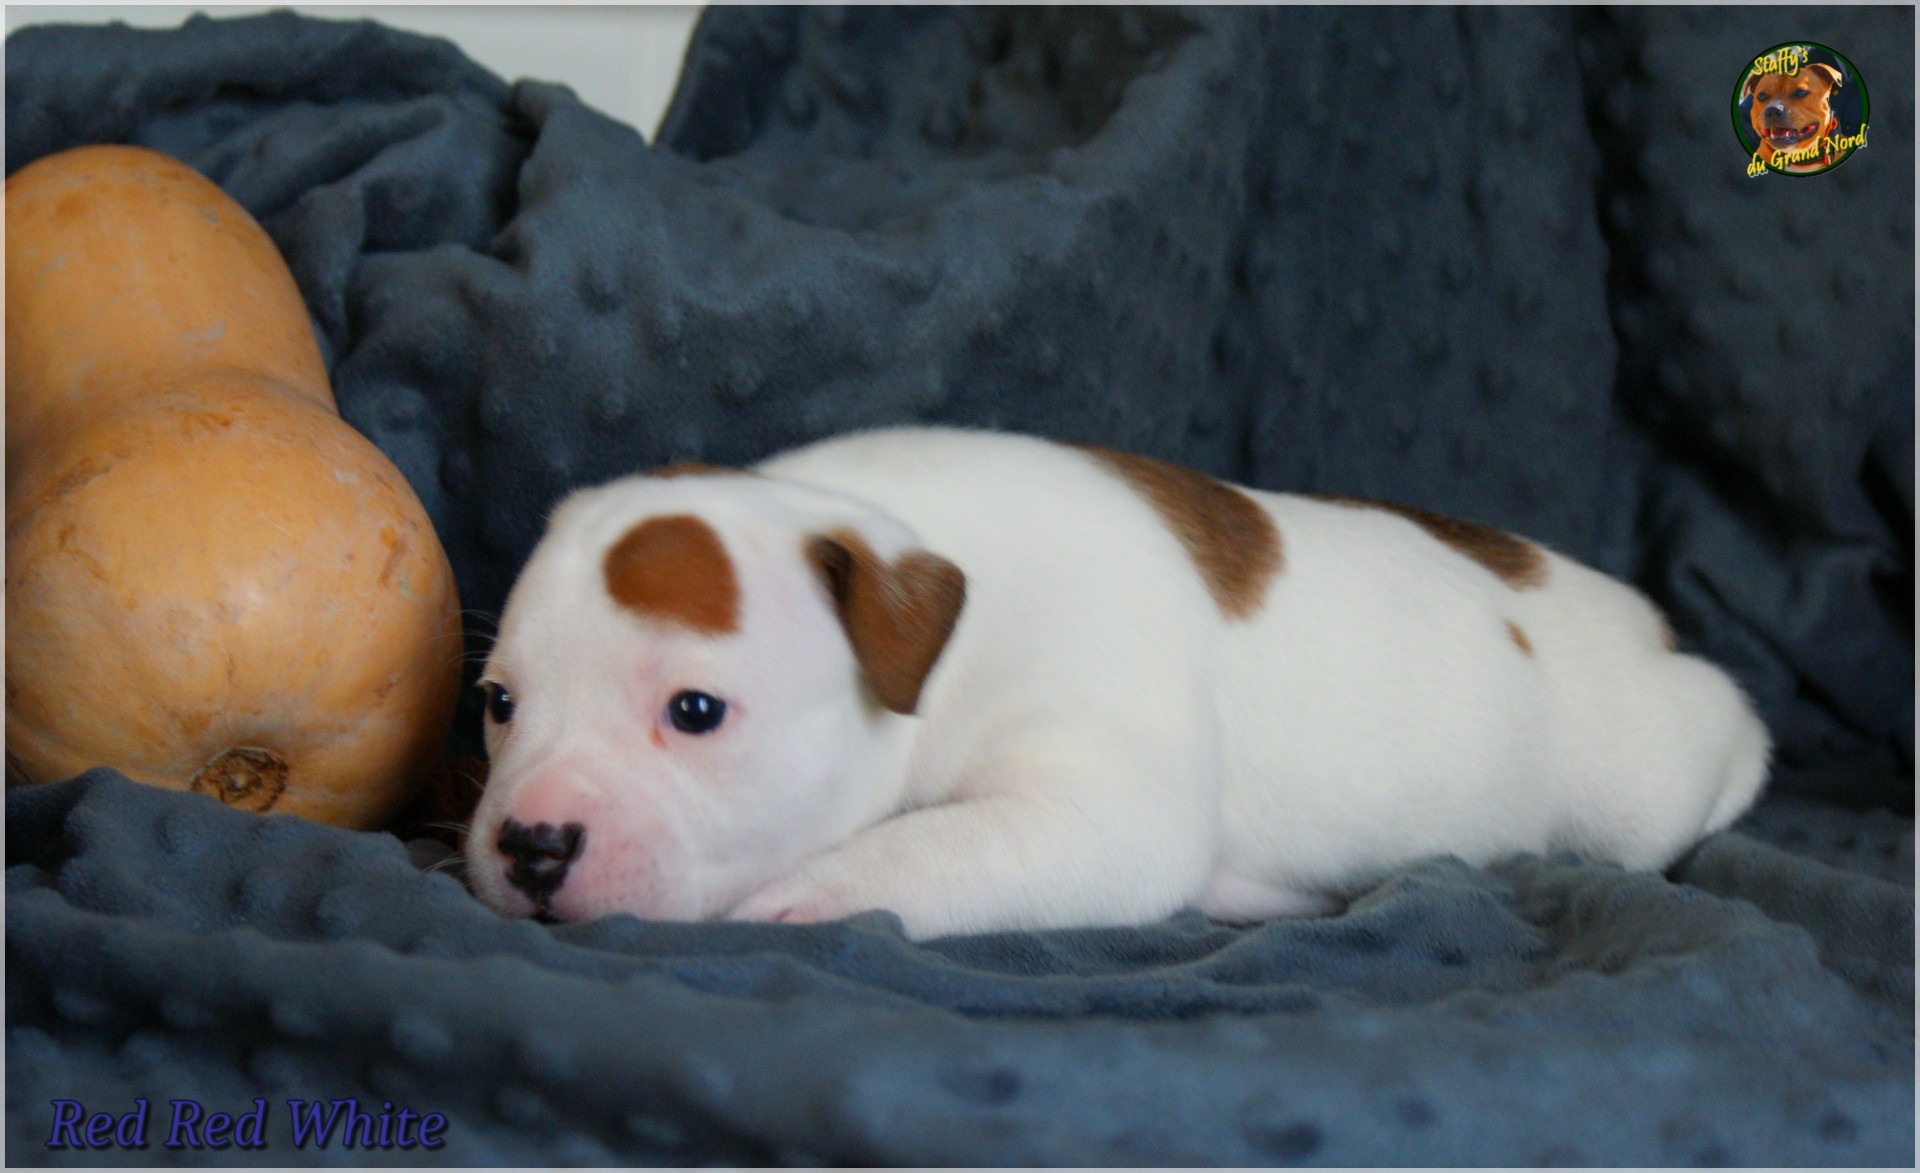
[(1232, 541), (1516, 561), (675, 568), (897, 617)]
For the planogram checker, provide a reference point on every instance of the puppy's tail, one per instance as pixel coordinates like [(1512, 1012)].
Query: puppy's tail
[(1748, 750)]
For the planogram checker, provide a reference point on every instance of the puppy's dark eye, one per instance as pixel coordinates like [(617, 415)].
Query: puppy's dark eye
[(1801, 93), (499, 702), (696, 712)]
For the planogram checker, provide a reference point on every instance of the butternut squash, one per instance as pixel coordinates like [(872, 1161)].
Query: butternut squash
[(213, 582)]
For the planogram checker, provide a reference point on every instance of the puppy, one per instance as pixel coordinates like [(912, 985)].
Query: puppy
[(991, 682), (1793, 115)]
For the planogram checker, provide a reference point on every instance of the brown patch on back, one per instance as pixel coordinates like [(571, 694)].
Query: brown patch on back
[(1232, 541), (675, 568), (1516, 561), (1519, 637), (897, 617)]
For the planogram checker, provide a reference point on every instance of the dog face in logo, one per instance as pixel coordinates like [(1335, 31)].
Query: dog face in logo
[(1791, 112)]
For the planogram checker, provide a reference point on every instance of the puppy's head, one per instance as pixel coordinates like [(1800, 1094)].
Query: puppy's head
[(699, 681), (1790, 110)]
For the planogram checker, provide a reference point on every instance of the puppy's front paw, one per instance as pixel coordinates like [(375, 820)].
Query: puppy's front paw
[(793, 900)]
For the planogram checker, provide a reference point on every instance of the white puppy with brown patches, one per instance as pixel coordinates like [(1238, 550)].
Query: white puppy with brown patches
[(990, 682)]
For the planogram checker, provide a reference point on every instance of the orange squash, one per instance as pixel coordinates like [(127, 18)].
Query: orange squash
[(213, 582)]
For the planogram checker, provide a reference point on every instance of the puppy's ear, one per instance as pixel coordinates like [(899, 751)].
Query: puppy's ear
[(897, 615), (1829, 72)]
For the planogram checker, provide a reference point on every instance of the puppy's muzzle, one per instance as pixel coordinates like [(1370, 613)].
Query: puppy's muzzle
[(539, 856)]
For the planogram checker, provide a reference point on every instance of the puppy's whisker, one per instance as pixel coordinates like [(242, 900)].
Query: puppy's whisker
[(478, 649)]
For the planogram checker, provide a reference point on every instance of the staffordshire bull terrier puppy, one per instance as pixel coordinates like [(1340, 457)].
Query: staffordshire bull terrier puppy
[(1793, 114), (991, 682)]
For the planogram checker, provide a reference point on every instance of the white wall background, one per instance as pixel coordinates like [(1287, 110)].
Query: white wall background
[(623, 60)]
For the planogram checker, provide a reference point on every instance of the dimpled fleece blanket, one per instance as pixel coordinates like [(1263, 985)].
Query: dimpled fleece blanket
[(1504, 264)]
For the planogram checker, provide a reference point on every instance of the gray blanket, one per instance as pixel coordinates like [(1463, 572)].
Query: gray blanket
[(1756, 1009), (1500, 263)]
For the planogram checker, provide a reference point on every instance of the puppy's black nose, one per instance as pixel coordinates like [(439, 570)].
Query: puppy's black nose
[(539, 856)]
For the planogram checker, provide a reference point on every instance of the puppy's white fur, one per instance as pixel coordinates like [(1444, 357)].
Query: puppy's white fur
[(1097, 743)]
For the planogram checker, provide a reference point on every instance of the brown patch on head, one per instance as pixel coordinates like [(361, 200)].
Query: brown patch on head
[(1667, 639), (1232, 541), (897, 617), (1516, 561), (675, 568), (1519, 637)]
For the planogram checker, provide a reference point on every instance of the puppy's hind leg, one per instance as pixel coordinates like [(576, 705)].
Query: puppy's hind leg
[(1694, 761)]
